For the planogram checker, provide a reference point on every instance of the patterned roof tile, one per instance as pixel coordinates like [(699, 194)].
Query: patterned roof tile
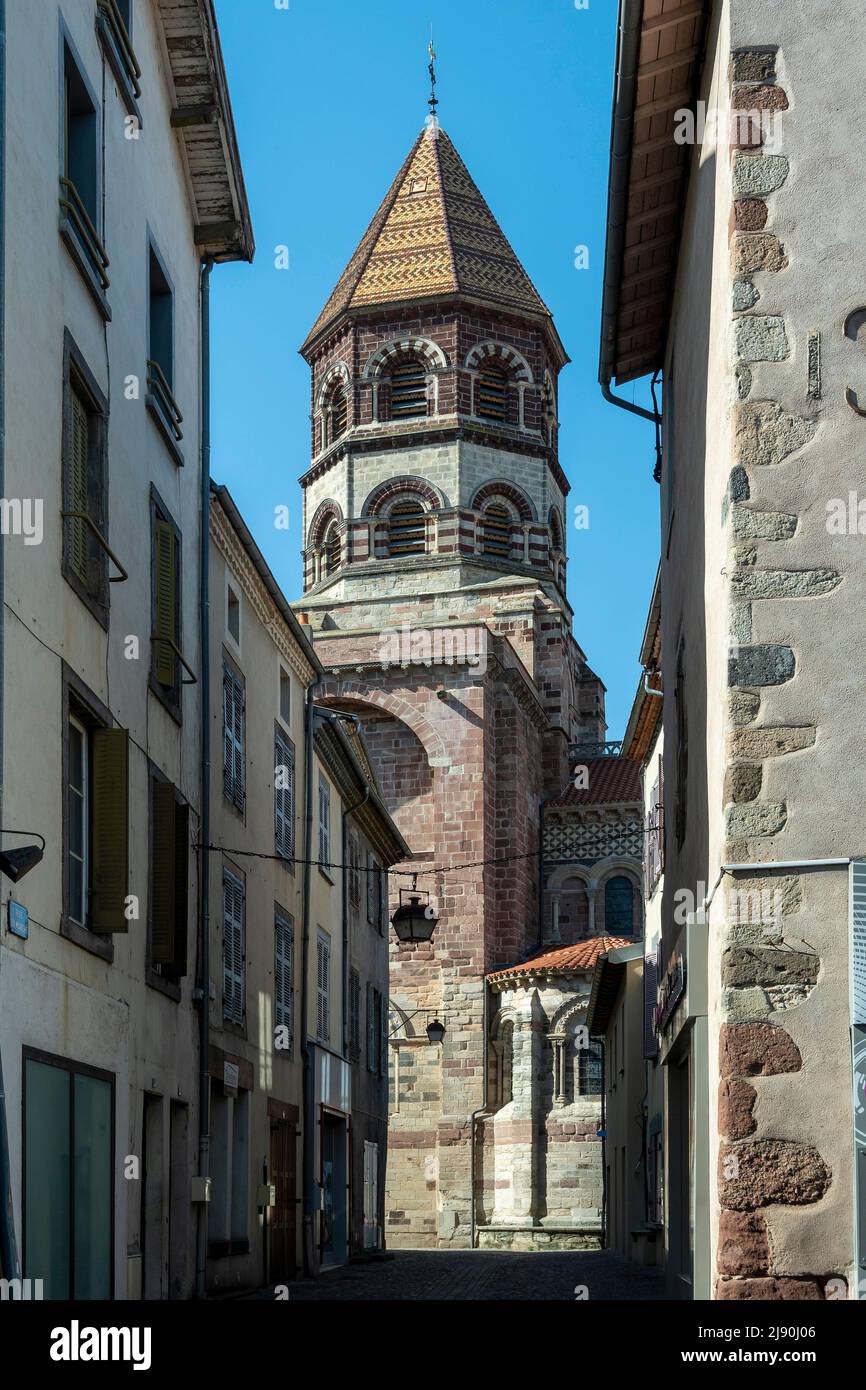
[(581, 956)]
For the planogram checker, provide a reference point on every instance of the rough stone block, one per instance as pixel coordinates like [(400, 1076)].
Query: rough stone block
[(763, 664), (763, 526), (780, 1290), (758, 175), (750, 215), (751, 251), (736, 1103), (763, 966), (771, 743), (764, 434), (756, 819), (744, 1244), (753, 65), (767, 1171), (743, 707), (744, 296), (745, 1005), (758, 584), (761, 338), (743, 782), (757, 1049), (759, 97), (738, 485)]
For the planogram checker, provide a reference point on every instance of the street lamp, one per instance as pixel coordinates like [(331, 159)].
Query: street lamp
[(435, 1031), (414, 919), (15, 863)]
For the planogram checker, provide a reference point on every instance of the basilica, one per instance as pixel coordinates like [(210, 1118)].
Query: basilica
[(435, 523)]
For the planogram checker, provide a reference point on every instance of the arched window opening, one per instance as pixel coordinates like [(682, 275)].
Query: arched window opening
[(407, 532), (506, 1065), (409, 391), (590, 1070), (492, 394), (332, 548), (619, 906), (496, 532), (339, 414)]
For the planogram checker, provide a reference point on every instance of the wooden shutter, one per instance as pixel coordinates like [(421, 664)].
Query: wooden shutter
[(284, 798), (371, 1028), (165, 600), (234, 754), (284, 974), (164, 901), (323, 987), (110, 830), (383, 1032), (76, 486), (228, 732), (371, 889), (238, 734), (181, 888), (234, 991)]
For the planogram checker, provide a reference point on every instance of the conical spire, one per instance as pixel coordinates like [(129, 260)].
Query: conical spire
[(432, 235)]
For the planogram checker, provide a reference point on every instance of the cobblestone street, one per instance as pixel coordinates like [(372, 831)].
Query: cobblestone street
[(483, 1274)]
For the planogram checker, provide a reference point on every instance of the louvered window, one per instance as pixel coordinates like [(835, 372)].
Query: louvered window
[(324, 825), (409, 391), (323, 987), (496, 532), (169, 879), (97, 823), (234, 973), (372, 1031), (284, 797), (84, 471), (407, 529), (333, 548), (339, 414), (76, 488), (492, 394), (234, 737), (166, 606), (375, 896), (354, 1015), (284, 975), (354, 871)]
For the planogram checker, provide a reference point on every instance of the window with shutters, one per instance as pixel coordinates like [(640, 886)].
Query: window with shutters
[(234, 736), (332, 546), (372, 1030), (655, 835), (84, 561), (354, 1015), (284, 797), (80, 191), (234, 947), (161, 404), (407, 529), (375, 895), (496, 532), (590, 1069), (95, 821), (167, 664), (324, 827), (323, 986), (408, 387), (338, 415), (354, 871), (491, 394), (284, 976), (169, 880)]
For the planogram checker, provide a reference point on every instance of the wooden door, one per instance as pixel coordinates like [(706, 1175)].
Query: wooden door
[(283, 1216)]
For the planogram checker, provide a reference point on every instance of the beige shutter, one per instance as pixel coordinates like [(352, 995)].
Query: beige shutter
[(165, 579), (110, 830), (76, 484)]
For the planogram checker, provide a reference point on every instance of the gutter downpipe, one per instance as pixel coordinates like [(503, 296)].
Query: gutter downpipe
[(204, 812), (622, 118), (309, 1148), (8, 1247)]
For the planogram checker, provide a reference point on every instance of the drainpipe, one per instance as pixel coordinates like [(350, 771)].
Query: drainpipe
[(309, 1148), (204, 792), (8, 1247)]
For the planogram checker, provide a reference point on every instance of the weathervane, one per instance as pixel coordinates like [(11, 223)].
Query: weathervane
[(432, 100)]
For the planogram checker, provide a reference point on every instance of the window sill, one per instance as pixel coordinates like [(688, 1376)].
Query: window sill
[(325, 875), (158, 416), (76, 250), (163, 985), (123, 74), (97, 607), (172, 706), (94, 942)]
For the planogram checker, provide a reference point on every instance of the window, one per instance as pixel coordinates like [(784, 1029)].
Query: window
[(655, 834), (496, 532), (68, 1177), (324, 825), (407, 533), (354, 1015), (284, 975), (377, 1030), (96, 821), (160, 356), (167, 659), (506, 1064), (285, 696), (228, 1209), (284, 796), (492, 394), (234, 972), (409, 391), (234, 736), (338, 414), (619, 906), (169, 880), (233, 615), (354, 871), (375, 895), (79, 180), (591, 1069), (84, 562), (682, 750), (114, 27), (323, 986), (332, 548)]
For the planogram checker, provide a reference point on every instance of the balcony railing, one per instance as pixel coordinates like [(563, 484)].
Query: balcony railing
[(78, 219), (161, 392), (110, 18)]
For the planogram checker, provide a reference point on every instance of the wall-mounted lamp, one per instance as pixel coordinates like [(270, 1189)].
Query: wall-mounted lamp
[(15, 863)]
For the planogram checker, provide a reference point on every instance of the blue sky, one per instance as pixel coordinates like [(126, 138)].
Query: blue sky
[(328, 96)]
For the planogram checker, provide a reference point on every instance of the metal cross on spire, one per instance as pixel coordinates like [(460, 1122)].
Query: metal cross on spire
[(432, 100)]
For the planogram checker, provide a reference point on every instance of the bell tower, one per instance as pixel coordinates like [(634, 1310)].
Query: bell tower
[(435, 591)]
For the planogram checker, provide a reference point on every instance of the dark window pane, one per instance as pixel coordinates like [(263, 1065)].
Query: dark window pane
[(46, 1166)]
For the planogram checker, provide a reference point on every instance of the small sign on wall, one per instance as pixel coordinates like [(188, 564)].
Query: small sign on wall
[(19, 919), (231, 1077)]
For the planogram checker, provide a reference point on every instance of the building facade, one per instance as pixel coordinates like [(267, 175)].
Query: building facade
[(734, 253), (109, 215)]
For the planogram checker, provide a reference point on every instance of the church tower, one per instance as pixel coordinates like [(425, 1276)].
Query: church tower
[(435, 591)]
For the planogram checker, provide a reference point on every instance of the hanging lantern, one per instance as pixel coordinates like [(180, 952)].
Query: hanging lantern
[(435, 1031), (415, 918)]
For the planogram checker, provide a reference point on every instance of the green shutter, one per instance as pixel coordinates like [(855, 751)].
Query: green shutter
[(163, 880), (110, 830), (76, 486), (181, 888), (165, 580)]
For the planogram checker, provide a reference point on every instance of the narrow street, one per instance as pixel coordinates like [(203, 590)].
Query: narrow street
[(483, 1274)]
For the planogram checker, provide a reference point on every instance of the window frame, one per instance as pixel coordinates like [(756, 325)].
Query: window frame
[(323, 991), (78, 379), (285, 920), (283, 744), (163, 976), (170, 697), (167, 421), (238, 881), (234, 795), (88, 255), (590, 1079), (324, 841)]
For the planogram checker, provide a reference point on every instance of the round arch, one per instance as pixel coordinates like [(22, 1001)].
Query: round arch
[(379, 362), (510, 492), (388, 491), (514, 362)]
